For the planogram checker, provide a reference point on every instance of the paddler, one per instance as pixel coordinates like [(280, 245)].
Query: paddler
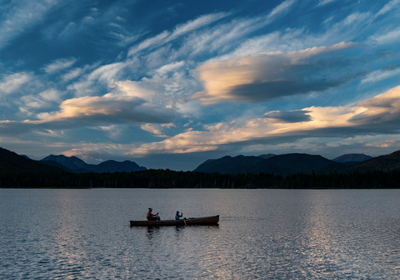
[(177, 216), (152, 217)]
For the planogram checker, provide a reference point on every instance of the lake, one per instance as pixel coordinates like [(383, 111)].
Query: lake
[(262, 234)]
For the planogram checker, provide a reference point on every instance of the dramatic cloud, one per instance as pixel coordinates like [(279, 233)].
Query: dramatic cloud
[(269, 76), (376, 115), (381, 112), (104, 78), (290, 116), (112, 108)]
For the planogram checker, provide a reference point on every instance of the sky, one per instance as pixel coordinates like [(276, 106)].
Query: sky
[(170, 84)]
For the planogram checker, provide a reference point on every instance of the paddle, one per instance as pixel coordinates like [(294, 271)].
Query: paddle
[(184, 220)]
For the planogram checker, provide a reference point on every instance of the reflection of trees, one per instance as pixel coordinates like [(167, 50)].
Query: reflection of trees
[(174, 179)]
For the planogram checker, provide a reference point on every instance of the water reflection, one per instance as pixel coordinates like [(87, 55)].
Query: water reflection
[(263, 234), (152, 232)]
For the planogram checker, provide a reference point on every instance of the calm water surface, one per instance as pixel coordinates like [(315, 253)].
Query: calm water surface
[(262, 234)]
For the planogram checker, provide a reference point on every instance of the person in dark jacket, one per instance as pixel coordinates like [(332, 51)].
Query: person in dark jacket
[(152, 217)]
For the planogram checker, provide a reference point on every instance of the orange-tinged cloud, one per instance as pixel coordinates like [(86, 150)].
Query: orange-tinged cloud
[(323, 121), (263, 76)]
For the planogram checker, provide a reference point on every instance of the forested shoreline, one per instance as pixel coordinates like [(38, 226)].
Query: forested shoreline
[(179, 179)]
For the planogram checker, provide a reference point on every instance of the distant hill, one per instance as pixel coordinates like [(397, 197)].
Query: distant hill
[(276, 164), (115, 166), (267, 156), (72, 163), (25, 156), (77, 165), (56, 164), (289, 164), (12, 162), (228, 165), (383, 163), (352, 158)]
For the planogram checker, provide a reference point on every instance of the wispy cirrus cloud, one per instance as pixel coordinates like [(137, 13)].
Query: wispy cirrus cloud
[(382, 74), (58, 65), (387, 38), (19, 16), (196, 23), (392, 5), (295, 39), (152, 129), (281, 8), (72, 74), (180, 30), (226, 36), (12, 82), (103, 75), (324, 2)]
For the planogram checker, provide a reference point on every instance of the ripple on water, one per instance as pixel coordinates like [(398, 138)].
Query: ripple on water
[(263, 234)]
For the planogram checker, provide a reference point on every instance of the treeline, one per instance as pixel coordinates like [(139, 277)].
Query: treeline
[(174, 179)]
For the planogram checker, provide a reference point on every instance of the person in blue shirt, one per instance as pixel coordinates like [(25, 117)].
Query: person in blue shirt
[(177, 216)]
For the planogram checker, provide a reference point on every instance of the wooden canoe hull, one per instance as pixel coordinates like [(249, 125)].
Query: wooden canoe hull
[(212, 220)]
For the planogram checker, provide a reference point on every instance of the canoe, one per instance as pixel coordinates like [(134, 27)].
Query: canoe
[(212, 220)]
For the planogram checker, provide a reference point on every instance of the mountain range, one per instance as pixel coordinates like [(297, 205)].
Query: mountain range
[(289, 164), (10, 161), (77, 165), (352, 158), (284, 165)]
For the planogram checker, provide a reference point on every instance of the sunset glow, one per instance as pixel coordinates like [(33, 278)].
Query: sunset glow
[(126, 80)]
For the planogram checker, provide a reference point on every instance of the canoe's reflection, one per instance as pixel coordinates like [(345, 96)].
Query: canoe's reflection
[(154, 230), (180, 227)]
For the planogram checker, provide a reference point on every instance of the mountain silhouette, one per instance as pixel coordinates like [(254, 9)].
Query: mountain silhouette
[(77, 165), (352, 158), (276, 164), (284, 165), (384, 163), (289, 164), (228, 165), (10, 161), (115, 166)]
